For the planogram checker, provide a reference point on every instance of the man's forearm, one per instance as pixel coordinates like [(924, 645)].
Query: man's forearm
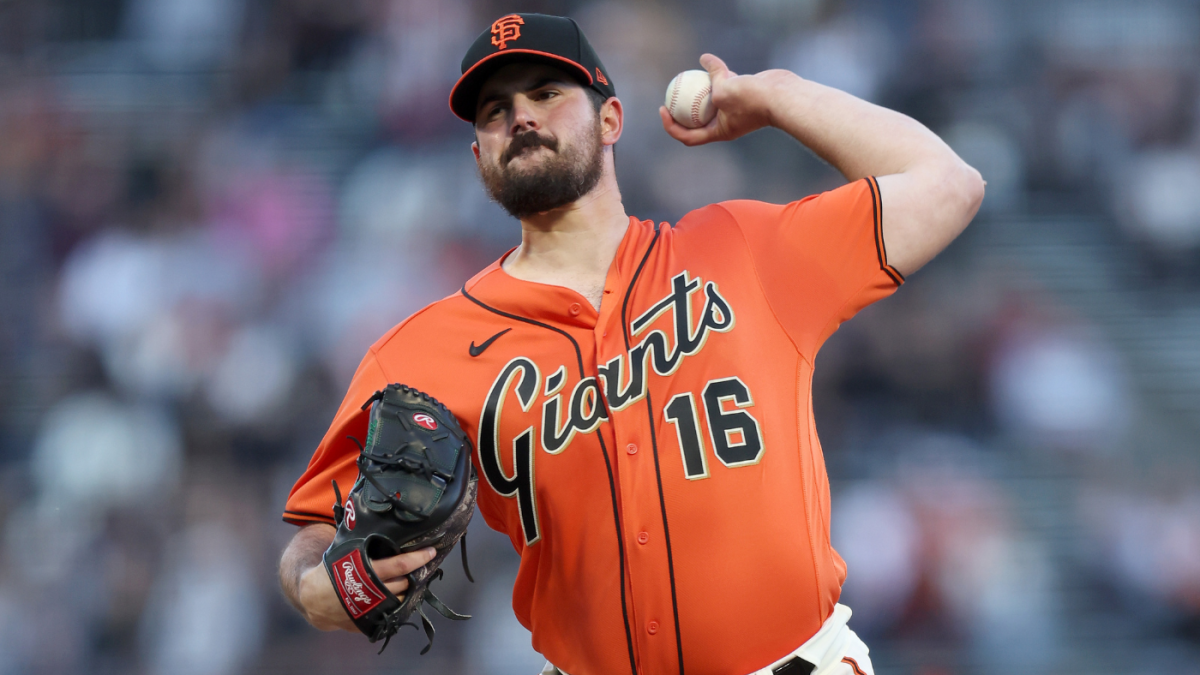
[(857, 137), (303, 553), (929, 194)]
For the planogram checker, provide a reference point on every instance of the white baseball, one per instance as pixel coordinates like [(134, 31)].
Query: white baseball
[(689, 98)]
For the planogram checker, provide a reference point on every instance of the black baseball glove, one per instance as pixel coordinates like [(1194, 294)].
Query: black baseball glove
[(415, 488)]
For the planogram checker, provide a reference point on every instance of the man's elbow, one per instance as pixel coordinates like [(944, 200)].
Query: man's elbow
[(965, 189), (932, 205)]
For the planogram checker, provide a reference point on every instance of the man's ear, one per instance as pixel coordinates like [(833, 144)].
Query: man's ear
[(475, 150), (612, 121)]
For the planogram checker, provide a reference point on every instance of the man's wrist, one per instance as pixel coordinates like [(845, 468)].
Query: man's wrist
[(308, 587), (782, 92)]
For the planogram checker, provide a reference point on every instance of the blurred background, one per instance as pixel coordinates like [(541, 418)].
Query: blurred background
[(210, 208)]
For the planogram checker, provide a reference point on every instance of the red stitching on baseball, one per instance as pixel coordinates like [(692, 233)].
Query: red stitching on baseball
[(696, 104), (674, 95)]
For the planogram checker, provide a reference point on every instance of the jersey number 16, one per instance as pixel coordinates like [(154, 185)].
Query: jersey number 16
[(735, 435)]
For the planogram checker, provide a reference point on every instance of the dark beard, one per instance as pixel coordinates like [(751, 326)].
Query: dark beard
[(558, 181)]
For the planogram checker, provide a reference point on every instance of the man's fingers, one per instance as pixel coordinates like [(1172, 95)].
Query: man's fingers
[(398, 587), (717, 70), (683, 134), (674, 129), (397, 566)]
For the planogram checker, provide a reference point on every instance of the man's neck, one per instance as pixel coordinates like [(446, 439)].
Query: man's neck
[(573, 246)]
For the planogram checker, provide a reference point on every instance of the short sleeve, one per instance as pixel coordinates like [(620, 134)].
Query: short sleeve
[(312, 497), (820, 260)]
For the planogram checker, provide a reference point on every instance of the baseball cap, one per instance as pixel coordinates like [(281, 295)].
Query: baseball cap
[(556, 40)]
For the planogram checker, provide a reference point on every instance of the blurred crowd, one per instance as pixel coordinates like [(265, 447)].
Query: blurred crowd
[(209, 209)]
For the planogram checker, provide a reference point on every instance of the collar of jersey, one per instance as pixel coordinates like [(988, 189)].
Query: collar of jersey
[(552, 304)]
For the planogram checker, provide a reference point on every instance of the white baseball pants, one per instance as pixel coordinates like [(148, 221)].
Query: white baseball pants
[(834, 650)]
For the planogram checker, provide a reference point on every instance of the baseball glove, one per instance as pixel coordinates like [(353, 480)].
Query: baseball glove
[(415, 488)]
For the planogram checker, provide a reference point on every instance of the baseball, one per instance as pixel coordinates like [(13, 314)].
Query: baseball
[(689, 98)]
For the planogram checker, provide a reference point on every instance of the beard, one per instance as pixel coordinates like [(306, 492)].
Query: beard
[(557, 181)]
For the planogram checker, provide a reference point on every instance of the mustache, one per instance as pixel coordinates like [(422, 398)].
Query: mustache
[(526, 141)]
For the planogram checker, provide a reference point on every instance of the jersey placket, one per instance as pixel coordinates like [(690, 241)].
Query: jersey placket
[(648, 576)]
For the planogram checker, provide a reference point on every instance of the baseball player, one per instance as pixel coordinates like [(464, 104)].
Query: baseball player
[(638, 393)]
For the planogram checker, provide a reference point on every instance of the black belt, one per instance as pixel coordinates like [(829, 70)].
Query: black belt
[(794, 666)]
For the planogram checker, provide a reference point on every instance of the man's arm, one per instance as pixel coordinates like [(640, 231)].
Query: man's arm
[(929, 194), (307, 586)]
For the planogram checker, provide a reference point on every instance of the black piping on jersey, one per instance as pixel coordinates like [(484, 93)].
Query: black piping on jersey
[(662, 502), (612, 491), (316, 517), (877, 225)]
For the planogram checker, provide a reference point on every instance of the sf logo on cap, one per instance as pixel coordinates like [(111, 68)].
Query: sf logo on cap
[(506, 29)]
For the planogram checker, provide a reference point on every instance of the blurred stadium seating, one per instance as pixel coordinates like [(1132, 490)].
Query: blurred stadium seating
[(210, 208)]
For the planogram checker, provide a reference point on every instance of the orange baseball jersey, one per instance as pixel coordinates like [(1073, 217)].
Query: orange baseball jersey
[(654, 462)]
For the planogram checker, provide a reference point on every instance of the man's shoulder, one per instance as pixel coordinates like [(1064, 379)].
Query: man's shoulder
[(732, 212), (438, 319), (719, 220)]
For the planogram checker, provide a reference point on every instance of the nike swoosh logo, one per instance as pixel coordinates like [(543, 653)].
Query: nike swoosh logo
[(476, 351)]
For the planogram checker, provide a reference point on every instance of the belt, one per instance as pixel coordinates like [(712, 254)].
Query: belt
[(793, 666)]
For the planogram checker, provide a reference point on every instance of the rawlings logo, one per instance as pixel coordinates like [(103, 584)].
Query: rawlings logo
[(506, 29), (354, 587), (358, 592), (350, 514), (425, 421)]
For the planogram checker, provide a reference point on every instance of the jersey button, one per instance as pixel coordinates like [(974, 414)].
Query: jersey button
[(643, 537), (652, 627), (631, 449), (575, 309)]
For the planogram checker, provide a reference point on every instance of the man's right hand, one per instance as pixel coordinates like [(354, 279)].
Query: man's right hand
[(319, 599), (320, 603), (306, 584)]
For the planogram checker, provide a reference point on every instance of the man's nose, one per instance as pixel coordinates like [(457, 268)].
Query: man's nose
[(523, 115)]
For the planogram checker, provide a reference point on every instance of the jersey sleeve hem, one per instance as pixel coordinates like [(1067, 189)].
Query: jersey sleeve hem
[(880, 248), (302, 518)]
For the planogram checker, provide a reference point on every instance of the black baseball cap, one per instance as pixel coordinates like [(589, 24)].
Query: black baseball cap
[(556, 40)]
